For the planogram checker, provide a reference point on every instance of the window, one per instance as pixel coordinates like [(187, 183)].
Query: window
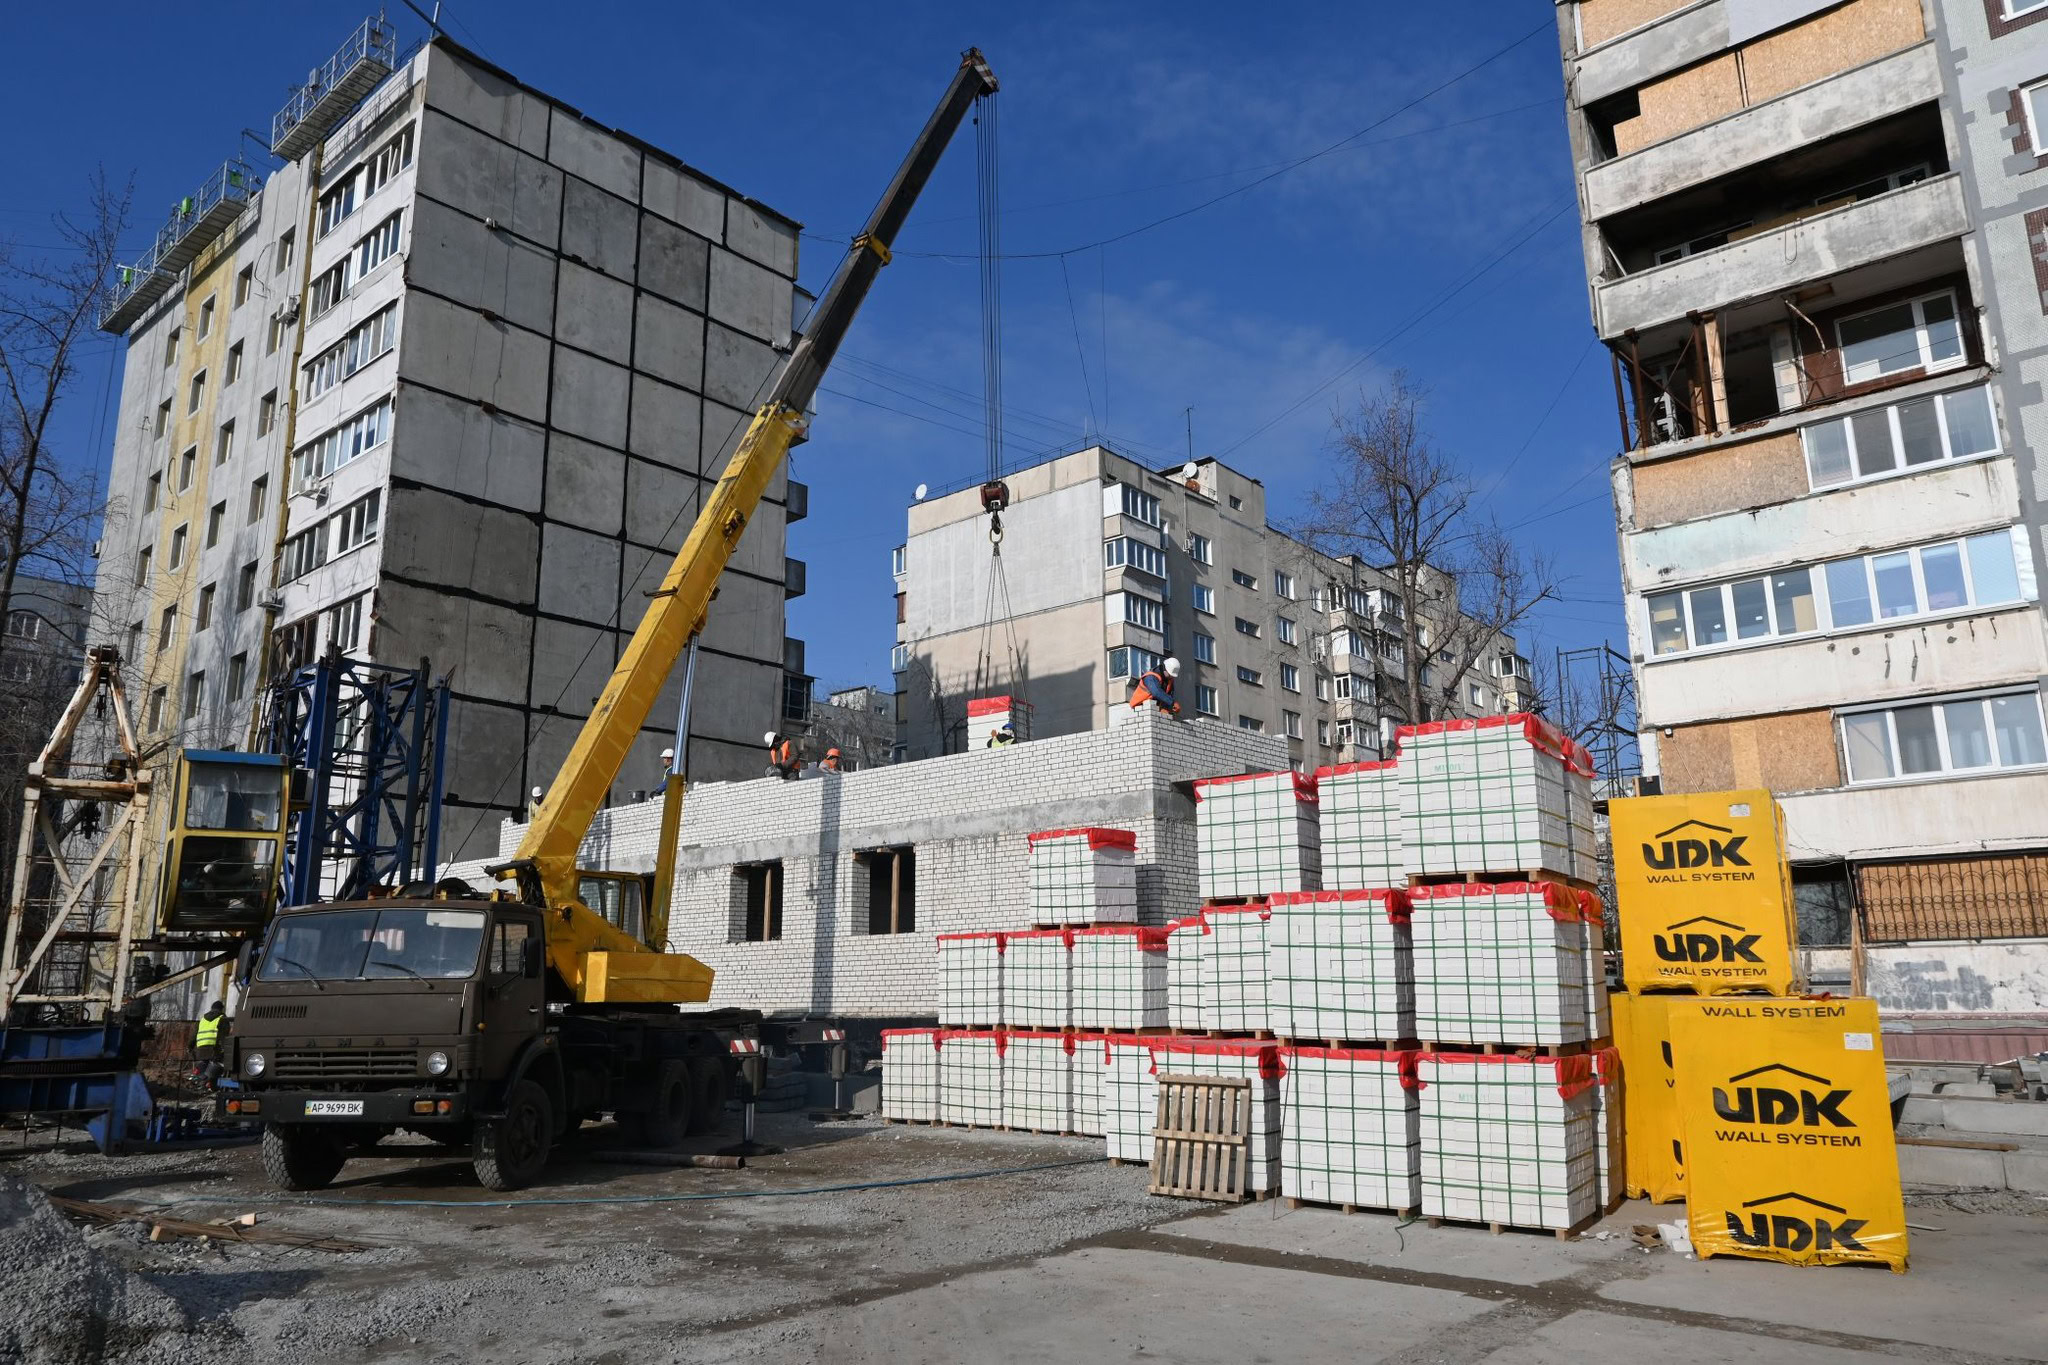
[(365, 431), (305, 552), (1252, 723), (1205, 599), (1290, 677), (142, 566), (1205, 648), (163, 419), (1876, 185), (1290, 724), (176, 559), (1247, 628), (214, 518), (284, 252), (323, 371), (171, 347), (393, 157), (1284, 628), (1921, 334), (1205, 700), (1904, 436), (266, 413), (1236, 503), (1348, 686), (345, 623), (292, 645), (234, 364), (1244, 580), (891, 886), (187, 464), (1283, 585), (2034, 97), (224, 443), (259, 499), (1966, 734), (1344, 733), (238, 677), (154, 713), (896, 564), (1128, 661), (204, 617), (1475, 696), (133, 650), (1143, 612), (759, 887), (379, 246), (1322, 687), (1139, 505), (196, 393), (899, 658), (1198, 549), (337, 204), (1136, 554), (1323, 733), (245, 588), (356, 524), (153, 491), (331, 288), (1251, 677), (195, 692), (205, 318), (244, 282), (23, 625), (166, 628), (274, 336), (1705, 242)]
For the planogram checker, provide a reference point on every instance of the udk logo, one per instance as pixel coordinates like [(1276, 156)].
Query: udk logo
[(1796, 1230), (1699, 852), (1700, 946), (1773, 1105)]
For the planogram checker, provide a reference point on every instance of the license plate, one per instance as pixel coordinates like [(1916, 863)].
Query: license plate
[(333, 1108)]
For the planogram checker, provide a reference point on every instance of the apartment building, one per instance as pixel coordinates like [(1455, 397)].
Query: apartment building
[(446, 383), (1109, 566), (1813, 236)]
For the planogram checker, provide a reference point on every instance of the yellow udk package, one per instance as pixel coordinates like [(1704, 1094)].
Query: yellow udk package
[(1704, 894), (1787, 1127), (1649, 1097)]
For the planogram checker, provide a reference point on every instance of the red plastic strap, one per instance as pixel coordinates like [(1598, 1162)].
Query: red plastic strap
[(1410, 1067), (1607, 1065), (989, 706), (1339, 769), (1066, 936), (1304, 786), (907, 1032), (1097, 837), (1574, 1075), (1347, 1054), (948, 1034), (1534, 728), (1000, 936)]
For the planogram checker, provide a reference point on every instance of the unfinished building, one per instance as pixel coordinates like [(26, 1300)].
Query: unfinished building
[(1813, 236), (447, 384)]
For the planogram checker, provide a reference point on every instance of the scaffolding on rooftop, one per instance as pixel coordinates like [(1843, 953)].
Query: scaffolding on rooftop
[(195, 220), (332, 89)]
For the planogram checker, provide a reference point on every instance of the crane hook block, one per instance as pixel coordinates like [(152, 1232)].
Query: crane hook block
[(995, 496)]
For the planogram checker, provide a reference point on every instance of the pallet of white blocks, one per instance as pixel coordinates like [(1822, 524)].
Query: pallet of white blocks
[(1119, 977), (1340, 967), (1359, 806), (1038, 1080), (971, 1077), (1489, 795), (1593, 921), (910, 1075), (1499, 963), (1084, 876), (1130, 1097), (986, 715), (1186, 1010), (1609, 1136), (1249, 1059), (1256, 834), (970, 979), (1351, 1128), (1234, 969), (1510, 1141), (1090, 1059), (1038, 978)]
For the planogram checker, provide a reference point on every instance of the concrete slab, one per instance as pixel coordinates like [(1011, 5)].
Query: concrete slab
[(1956, 1168), (1974, 1285), (582, 148), (590, 398), (1922, 1109), (669, 344), (2023, 1117), (486, 178), (595, 312), (1374, 1239), (598, 229), (674, 263), (1586, 1338), (680, 197), (1968, 1090), (2027, 1171)]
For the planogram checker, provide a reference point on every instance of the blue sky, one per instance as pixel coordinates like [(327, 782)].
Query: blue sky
[(1442, 241)]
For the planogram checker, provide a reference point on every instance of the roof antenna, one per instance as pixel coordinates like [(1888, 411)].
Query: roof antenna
[(1189, 413)]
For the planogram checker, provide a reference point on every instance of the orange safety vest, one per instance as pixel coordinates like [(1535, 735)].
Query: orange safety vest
[(1153, 686), (783, 755)]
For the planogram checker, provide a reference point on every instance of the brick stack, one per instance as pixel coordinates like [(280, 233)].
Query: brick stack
[(1490, 796), (1185, 998), (970, 1077), (1090, 1059), (1360, 805), (1038, 1081), (1352, 1128), (910, 1071), (1084, 876), (971, 979), (1130, 1097), (986, 715), (1340, 967), (1251, 1060), (1510, 1140), (1234, 969), (1501, 964), (1119, 977), (1038, 979), (1256, 834)]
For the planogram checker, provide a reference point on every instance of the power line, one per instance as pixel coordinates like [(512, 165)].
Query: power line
[(1074, 316), (1501, 478)]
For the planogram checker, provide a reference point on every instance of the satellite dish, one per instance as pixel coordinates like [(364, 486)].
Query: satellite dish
[(1190, 470), (919, 494)]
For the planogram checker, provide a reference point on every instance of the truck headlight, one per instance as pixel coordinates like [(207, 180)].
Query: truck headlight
[(253, 1064), (437, 1063)]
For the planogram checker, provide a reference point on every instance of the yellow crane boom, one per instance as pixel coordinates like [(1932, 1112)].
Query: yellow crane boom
[(598, 962)]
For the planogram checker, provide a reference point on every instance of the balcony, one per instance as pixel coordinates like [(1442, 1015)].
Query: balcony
[(195, 221), (795, 577), (797, 504), (1644, 52), (1783, 259), (334, 88)]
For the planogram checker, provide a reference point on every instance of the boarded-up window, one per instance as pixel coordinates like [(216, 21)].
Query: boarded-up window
[(2001, 896)]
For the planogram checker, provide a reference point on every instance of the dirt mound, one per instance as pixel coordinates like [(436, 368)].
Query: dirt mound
[(62, 1301)]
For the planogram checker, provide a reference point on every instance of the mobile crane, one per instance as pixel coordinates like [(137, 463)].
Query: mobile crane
[(509, 1017)]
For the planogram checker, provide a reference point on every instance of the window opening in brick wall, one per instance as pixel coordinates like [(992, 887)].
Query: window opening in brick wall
[(759, 887), (890, 882)]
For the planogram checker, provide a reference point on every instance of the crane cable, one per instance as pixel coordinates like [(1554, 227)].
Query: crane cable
[(995, 494)]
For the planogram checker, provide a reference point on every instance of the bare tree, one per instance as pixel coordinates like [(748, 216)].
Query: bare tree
[(48, 308), (1403, 506)]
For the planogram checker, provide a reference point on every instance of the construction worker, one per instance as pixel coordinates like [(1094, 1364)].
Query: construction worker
[(1002, 738), (781, 757), (831, 763), (206, 1042), (1156, 688)]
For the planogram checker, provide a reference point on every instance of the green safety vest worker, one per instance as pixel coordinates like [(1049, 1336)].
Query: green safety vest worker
[(208, 1033)]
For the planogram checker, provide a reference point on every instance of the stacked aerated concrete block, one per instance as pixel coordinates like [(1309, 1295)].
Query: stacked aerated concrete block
[(1340, 966), (1352, 1123), (1509, 1139), (1130, 1097), (1119, 977), (1489, 795), (910, 1074), (1360, 806), (1084, 876), (971, 980), (1186, 1000), (1500, 964), (971, 1077), (1090, 1058), (1256, 835), (1234, 968), (986, 715), (1038, 1081), (1232, 1058), (1038, 979)]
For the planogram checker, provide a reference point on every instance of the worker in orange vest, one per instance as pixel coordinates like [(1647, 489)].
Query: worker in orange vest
[(1156, 687), (781, 757), (831, 763)]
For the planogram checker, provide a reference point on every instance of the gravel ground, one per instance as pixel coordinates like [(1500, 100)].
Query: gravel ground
[(626, 1281)]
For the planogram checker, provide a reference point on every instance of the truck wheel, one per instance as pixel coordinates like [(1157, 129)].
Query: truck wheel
[(667, 1120), (509, 1151), (713, 1089), (299, 1157)]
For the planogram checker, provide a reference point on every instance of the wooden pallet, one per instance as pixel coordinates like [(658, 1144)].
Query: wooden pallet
[(1561, 1234), (1409, 1212), (1201, 1138), (1510, 1049), (1040, 1132), (1233, 902), (917, 1123), (1242, 1035), (1498, 878), (1356, 1044)]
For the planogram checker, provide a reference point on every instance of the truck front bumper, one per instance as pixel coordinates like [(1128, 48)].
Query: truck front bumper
[(403, 1108)]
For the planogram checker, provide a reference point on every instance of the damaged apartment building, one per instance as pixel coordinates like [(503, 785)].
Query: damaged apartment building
[(1813, 234), (445, 382)]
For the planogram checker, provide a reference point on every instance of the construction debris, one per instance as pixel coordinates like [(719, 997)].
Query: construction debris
[(240, 1229)]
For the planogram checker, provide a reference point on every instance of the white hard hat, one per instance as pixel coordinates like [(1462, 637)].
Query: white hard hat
[(1173, 668), (768, 738)]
